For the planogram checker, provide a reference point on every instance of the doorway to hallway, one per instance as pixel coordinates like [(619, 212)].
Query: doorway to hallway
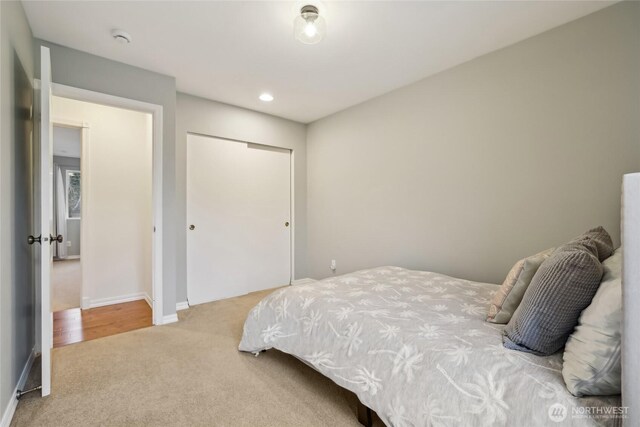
[(101, 276)]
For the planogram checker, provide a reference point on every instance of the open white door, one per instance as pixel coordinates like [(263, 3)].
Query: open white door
[(43, 209)]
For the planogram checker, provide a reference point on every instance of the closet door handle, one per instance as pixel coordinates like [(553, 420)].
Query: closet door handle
[(57, 238)]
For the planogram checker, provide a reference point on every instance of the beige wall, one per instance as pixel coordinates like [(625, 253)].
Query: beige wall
[(467, 171), (202, 116), (117, 205)]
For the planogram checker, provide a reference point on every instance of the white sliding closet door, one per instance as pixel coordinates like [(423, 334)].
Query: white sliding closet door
[(238, 218)]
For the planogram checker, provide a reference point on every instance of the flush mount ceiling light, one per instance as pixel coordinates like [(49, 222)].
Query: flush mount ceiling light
[(121, 36), (266, 97), (309, 26)]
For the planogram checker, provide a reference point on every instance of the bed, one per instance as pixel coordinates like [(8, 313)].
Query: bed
[(415, 348)]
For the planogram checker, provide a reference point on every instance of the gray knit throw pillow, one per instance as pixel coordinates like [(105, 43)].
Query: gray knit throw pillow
[(563, 286)]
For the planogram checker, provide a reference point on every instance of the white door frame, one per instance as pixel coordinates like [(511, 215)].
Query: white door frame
[(156, 112), (292, 190)]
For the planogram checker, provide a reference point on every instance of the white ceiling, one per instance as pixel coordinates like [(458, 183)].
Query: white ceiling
[(66, 141), (232, 51)]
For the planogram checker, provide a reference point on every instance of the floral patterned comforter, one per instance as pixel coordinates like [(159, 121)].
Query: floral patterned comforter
[(414, 347)]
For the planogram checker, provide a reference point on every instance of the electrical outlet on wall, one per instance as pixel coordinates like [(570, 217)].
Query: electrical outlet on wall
[(333, 265)]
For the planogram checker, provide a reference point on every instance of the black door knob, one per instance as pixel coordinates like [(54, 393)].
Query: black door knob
[(57, 238), (31, 240)]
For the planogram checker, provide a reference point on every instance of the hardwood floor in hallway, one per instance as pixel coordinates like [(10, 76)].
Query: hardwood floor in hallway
[(75, 325)]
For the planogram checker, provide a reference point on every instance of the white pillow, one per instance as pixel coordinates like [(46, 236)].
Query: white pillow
[(592, 355)]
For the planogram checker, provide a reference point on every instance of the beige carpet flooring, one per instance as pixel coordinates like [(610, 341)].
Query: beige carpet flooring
[(185, 374), (65, 285)]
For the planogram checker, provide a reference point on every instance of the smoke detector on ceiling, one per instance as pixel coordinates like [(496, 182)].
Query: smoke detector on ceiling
[(121, 36)]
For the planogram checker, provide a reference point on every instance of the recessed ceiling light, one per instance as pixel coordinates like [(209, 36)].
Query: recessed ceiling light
[(266, 97), (121, 36)]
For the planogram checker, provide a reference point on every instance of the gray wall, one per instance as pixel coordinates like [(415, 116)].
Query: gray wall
[(73, 225), (197, 115), (82, 70), (471, 169), (17, 322)]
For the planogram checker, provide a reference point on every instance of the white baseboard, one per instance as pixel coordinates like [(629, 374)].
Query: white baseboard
[(148, 299), (101, 302), (182, 305), (7, 415), (304, 281), (170, 318)]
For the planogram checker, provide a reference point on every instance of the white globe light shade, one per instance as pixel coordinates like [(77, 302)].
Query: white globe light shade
[(309, 27)]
